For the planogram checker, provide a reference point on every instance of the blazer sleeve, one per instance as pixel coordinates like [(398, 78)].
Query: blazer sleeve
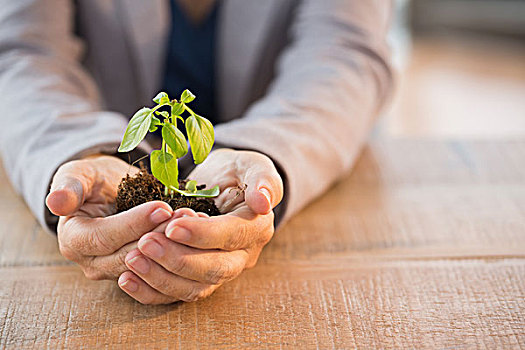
[(332, 80), (51, 109)]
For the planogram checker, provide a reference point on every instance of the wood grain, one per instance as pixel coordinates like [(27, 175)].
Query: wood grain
[(421, 246), (417, 199), (385, 305), (460, 86)]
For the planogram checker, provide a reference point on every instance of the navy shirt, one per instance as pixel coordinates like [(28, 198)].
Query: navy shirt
[(190, 60)]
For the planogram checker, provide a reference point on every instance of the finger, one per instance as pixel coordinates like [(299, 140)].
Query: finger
[(165, 282), (237, 230), (182, 212), (265, 187), (105, 235), (109, 266), (206, 266), (176, 214), (68, 190), (141, 291)]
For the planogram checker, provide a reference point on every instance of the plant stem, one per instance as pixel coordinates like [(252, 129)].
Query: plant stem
[(158, 106), (164, 148), (188, 109)]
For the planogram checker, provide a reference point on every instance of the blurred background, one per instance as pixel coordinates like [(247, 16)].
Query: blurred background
[(461, 69)]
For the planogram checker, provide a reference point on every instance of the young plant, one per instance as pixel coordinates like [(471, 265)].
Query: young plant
[(164, 164)]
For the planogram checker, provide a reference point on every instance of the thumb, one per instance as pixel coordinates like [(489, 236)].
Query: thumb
[(68, 191), (265, 188)]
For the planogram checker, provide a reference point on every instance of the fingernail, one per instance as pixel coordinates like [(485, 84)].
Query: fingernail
[(179, 234), (130, 285), (160, 215), (140, 264), (151, 248), (266, 193)]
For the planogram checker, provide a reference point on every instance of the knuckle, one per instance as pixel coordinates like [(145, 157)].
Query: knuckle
[(163, 285), (270, 218), (66, 168), (235, 241), (98, 242), (120, 259), (216, 275), (70, 241), (72, 167), (258, 157), (74, 164), (179, 264), (130, 227), (251, 264), (94, 274), (194, 294), (267, 235), (70, 249), (65, 244), (66, 252), (220, 272), (253, 260)]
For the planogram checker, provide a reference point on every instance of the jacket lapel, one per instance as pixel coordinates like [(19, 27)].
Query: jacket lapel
[(243, 27), (147, 24)]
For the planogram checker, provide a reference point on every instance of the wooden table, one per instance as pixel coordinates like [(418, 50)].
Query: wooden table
[(421, 246)]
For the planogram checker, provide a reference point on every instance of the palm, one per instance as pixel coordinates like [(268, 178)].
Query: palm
[(219, 170), (101, 201), (99, 179)]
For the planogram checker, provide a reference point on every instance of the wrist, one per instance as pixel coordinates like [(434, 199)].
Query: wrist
[(95, 156)]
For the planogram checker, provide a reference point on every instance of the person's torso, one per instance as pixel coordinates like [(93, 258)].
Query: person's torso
[(190, 57), (127, 45)]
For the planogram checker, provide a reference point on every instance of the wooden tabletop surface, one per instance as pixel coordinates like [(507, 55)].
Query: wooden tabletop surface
[(421, 246)]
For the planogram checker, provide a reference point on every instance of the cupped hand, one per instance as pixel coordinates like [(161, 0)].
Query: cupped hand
[(83, 194), (197, 253)]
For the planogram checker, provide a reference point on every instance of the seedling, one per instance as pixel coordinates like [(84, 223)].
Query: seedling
[(164, 162)]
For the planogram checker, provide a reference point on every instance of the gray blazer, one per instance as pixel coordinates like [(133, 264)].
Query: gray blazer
[(299, 80)]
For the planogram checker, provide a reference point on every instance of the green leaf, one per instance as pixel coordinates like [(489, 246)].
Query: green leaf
[(177, 108), (187, 96), (163, 113), (161, 98), (212, 192), (137, 129), (153, 128), (191, 186), (154, 123), (201, 135), (175, 140), (164, 168)]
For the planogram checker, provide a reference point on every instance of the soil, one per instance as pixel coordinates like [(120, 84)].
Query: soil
[(144, 187)]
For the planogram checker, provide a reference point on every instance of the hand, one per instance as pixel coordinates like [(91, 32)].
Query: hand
[(83, 195), (198, 253)]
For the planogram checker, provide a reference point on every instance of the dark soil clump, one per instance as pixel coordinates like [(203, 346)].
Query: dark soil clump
[(144, 187)]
